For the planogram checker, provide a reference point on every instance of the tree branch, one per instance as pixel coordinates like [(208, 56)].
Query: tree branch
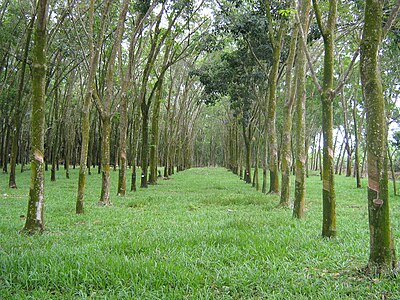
[(391, 19), (318, 15), (255, 56), (348, 72), (97, 102), (309, 61)]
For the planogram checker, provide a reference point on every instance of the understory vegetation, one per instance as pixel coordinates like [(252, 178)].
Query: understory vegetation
[(202, 234)]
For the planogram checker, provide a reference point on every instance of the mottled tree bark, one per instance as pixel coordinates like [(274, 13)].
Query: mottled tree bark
[(287, 123), (247, 143), (123, 110), (276, 39), (356, 146), (271, 126), (55, 128), (145, 145), (300, 185), (105, 108), (155, 120), (17, 122), (382, 257), (35, 216), (327, 96), (134, 149), (93, 63)]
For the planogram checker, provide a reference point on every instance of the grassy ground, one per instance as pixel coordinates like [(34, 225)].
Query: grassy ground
[(202, 235)]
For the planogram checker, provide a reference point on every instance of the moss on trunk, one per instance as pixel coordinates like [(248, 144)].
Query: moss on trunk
[(382, 257), (35, 215)]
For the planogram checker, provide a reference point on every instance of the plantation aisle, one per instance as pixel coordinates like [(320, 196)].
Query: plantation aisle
[(204, 234)]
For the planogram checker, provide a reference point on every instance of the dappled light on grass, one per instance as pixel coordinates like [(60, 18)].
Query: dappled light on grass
[(205, 234)]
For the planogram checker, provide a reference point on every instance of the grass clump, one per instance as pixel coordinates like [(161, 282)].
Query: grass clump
[(203, 235)]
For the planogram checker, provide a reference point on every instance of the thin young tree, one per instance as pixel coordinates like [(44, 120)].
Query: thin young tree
[(300, 185), (17, 124), (103, 105), (287, 125), (92, 65)]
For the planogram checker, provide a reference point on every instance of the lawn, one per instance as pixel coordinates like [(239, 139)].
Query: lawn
[(203, 234)]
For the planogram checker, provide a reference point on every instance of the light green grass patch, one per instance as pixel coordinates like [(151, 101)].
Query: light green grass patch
[(202, 235)]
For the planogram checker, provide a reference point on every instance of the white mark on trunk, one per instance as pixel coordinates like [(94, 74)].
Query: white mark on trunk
[(38, 156), (330, 152), (39, 206)]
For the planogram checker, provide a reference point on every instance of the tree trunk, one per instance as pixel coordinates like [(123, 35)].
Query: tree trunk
[(339, 158), (145, 145), (327, 95), (382, 257), (105, 109), (94, 60), (247, 143), (122, 145), (35, 216), (356, 146), (390, 156), (6, 149), (155, 125), (105, 161), (272, 140), (287, 125), (54, 130), (300, 186), (17, 122), (135, 147)]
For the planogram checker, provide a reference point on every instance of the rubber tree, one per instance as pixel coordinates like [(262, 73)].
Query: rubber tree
[(92, 65), (103, 105), (327, 96), (276, 38), (300, 185), (35, 216), (382, 258), (17, 124), (287, 121), (142, 14), (146, 97)]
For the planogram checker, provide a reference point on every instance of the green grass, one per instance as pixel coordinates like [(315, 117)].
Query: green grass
[(202, 235)]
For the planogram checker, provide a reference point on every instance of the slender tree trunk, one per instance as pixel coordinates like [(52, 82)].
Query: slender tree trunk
[(300, 187), (122, 145), (105, 109), (256, 183), (272, 141), (339, 159), (35, 216), (135, 147), (390, 156), (327, 95), (55, 131), (356, 146), (145, 145), (382, 257), (287, 125), (17, 122), (347, 137), (94, 60), (155, 121), (247, 143), (6, 149), (105, 161)]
